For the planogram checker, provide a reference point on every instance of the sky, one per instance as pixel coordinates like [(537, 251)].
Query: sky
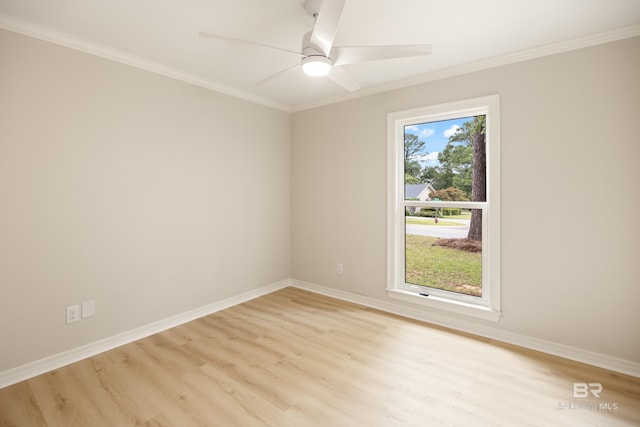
[(436, 136)]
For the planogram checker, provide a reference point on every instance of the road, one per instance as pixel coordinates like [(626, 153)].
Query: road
[(444, 232)]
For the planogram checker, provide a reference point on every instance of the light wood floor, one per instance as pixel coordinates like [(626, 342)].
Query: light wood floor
[(293, 358)]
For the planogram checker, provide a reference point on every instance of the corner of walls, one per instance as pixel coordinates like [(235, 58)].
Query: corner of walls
[(38, 367)]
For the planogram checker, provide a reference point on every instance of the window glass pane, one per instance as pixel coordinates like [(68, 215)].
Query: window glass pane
[(445, 160), (439, 252)]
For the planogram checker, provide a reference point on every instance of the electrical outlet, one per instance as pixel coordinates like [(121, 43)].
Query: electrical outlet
[(339, 268), (73, 313)]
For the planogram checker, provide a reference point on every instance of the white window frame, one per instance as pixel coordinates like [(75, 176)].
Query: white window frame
[(488, 305)]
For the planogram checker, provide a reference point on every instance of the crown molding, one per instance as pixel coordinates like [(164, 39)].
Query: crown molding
[(63, 39)]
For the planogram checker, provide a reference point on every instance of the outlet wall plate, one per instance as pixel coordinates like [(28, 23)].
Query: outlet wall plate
[(73, 313)]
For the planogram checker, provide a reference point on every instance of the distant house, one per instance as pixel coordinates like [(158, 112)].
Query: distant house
[(418, 191)]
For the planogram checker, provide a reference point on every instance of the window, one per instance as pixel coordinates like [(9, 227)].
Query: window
[(444, 206)]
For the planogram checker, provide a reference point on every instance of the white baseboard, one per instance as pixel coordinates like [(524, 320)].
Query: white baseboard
[(30, 370), (568, 352)]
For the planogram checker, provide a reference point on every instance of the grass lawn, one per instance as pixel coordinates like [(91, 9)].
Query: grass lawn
[(463, 215), (442, 268), (430, 221)]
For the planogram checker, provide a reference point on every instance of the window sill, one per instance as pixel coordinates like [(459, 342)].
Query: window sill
[(459, 307)]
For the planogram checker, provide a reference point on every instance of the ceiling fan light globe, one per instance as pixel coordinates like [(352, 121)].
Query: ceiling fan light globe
[(316, 66)]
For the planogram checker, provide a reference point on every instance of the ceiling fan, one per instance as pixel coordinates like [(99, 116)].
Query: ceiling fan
[(318, 55)]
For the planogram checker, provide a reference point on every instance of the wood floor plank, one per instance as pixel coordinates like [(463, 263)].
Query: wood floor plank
[(294, 358), (18, 407)]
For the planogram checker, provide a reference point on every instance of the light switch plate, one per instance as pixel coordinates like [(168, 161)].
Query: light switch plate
[(88, 308)]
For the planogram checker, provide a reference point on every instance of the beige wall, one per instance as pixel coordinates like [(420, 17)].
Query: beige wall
[(155, 197), (569, 254), (151, 196)]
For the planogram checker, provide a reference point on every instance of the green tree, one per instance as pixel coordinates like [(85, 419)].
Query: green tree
[(456, 160), (437, 177), (451, 194), (412, 149), (409, 179), (465, 158)]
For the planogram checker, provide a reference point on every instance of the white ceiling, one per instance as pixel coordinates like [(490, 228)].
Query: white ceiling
[(162, 36)]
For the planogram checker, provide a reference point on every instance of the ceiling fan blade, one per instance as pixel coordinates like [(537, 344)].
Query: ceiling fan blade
[(235, 40), (324, 31), (272, 77), (356, 54), (342, 77)]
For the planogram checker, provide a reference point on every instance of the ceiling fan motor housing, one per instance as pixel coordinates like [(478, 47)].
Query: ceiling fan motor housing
[(309, 49)]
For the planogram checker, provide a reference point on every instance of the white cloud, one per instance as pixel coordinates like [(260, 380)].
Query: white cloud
[(427, 132), (451, 131), (420, 132), (430, 158)]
